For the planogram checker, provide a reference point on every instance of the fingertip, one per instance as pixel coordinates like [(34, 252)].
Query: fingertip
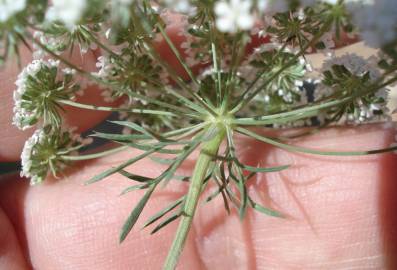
[(11, 256)]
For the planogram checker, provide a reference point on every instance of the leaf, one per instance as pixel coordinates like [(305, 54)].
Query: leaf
[(169, 173), (119, 137), (133, 217), (182, 178), (163, 212), (140, 129), (263, 170), (111, 171), (264, 210), (244, 200), (163, 161), (165, 222), (294, 148), (158, 147), (213, 195), (135, 177), (135, 187), (243, 192)]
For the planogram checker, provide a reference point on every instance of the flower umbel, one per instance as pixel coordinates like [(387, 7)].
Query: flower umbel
[(349, 75), (9, 7), (234, 15), (40, 86), (44, 152)]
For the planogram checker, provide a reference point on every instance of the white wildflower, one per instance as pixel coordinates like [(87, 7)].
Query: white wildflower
[(183, 6), (234, 15), (372, 107), (21, 114), (105, 66), (28, 152), (8, 8), (39, 87), (69, 12), (356, 64), (43, 152), (312, 2)]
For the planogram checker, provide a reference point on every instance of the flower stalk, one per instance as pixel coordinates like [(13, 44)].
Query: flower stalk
[(208, 150)]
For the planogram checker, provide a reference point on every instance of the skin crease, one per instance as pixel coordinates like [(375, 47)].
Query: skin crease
[(339, 211)]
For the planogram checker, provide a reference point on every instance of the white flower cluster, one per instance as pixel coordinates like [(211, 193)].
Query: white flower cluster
[(364, 111), (69, 12), (43, 152), (290, 80), (234, 15), (9, 8), (356, 64), (183, 6), (367, 112), (105, 66), (29, 150), (22, 116)]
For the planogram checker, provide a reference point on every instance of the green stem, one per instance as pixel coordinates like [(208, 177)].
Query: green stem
[(177, 55), (111, 109), (208, 150), (293, 148), (171, 71), (96, 155)]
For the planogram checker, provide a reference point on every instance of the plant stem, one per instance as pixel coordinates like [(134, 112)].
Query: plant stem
[(96, 155), (111, 109), (209, 149)]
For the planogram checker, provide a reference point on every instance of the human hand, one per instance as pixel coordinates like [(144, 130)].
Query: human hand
[(339, 211)]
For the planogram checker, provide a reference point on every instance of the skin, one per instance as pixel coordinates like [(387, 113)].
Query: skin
[(339, 211)]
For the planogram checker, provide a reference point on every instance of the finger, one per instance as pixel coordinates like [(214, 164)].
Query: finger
[(335, 212), (11, 139), (11, 256), (339, 210), (69, 225)]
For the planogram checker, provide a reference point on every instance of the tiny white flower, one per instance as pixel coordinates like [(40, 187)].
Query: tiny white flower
[(43, 152), (8, 8), (27, 156), (369, 108), (234, 15), (183, 6), (69, 12), (40, 86)]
